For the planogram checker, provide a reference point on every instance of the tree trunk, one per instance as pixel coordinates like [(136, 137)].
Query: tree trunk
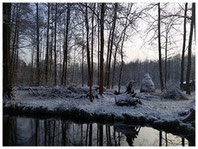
[(51, 51), (102, 47), (82, 65), (98, 49), (188, 90), (60, 58), (37, 60), (111, 44), (64, 73), (92, 43), (73, 69), (166, 50), (88, 56), (15, 67), (183, 48), (47, 46), (114, 63), (159, 48), (15, 42), (122, 63), (7, 85), (32, 67), (55, 70), (107, 59)]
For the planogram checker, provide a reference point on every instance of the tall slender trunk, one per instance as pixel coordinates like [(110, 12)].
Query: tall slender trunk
[(114, 63), (122, 63), (55, 68), (15, 68), (51, 51), (32, 67), (47, 46), (74, 65), (64, 73), (188, 90), (82, 65), (113, 72), (102, 47), (88, 56), (107, 59), (60, 58), (15, 43), (7, 85), (92, 42), (98, 48), (183, 48), (166, 51), (111, 44), (159, 49), (37, 39)]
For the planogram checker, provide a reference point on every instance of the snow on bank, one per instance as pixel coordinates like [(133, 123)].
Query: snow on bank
[(153, 107)]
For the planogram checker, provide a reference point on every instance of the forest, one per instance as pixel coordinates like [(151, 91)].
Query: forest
[(99, 63)]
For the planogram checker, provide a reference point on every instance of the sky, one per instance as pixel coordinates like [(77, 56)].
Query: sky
[(133, 47)]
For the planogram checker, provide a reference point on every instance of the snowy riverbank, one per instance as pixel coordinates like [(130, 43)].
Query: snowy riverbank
[(154, 110)]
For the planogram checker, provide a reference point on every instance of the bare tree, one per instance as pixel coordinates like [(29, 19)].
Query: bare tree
[(114, 62), (47, 45), (102, 47), (55, 68), (98, 5), (64, 73), (38, 42), (7, 86), (15, 42), (159, 49), (51, 49), (107, 59), (183, 48), (111, 44), (188, 72), (92, 42), (82, 65), (166, 56), (88, 56), (122, 61)]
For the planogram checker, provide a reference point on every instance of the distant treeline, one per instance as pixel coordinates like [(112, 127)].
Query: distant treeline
[(26, 74)]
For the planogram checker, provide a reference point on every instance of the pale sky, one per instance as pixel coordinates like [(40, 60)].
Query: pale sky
[(133, 48)]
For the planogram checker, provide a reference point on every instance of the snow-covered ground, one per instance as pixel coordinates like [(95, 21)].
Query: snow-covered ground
[(153, 106)]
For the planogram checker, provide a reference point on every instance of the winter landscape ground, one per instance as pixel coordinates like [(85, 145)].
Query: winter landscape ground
[(155, 110)]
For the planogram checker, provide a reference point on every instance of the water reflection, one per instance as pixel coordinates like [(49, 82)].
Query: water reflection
[(20, 131)]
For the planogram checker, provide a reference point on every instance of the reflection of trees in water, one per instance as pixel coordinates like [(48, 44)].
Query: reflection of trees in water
[(191, 140), (9, 131), (52, 132), (176, 141), (90, 134), (160, 138), (100, 129), (131, 132)]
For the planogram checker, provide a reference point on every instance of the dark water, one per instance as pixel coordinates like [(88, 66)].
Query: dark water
[(23, 131)]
